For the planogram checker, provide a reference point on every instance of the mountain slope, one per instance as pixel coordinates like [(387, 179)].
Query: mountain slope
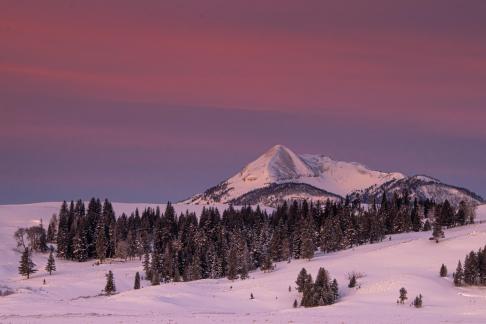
[(411, 260), (420, 187), (280, 165), (275, 193)]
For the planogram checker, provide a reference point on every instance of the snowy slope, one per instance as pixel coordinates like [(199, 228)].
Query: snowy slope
[(420, 187), (273, 194), (280, 165), (408, 260)]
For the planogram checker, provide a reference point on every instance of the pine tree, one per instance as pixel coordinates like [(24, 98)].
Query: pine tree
[(51, 264), (195, 268), (352, 281), (461, 215), (418, 301), (52, 229), (80, 247), (459, 274), (307, 243), (437, 232), (267, 264), (443, 270), (415, 217), (146, 266), (482, 266), (136, 285), (245, 263), (63, 231), (403, 295), (308, 292), (335, 289), (101, 244), (301, 280), (110, 283), (447, 214), (232, 270), (42, 239), (471, 271), (322, 292), (27, 266), (155, 279), (155, 267)]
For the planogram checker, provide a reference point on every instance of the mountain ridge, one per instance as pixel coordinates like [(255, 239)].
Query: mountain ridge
[(317, 176)]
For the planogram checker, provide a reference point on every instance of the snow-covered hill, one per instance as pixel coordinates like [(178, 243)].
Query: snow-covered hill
[(280, 165), (318, 177), (273, 194), (420, 187), (407, 260)]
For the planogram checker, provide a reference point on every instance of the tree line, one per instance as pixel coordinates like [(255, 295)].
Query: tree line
[(474, 270), (229, 244)]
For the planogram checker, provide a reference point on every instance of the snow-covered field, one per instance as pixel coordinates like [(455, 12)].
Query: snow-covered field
[(408, 260)]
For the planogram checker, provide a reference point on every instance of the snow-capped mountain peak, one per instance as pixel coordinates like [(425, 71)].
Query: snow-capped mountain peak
[(277, 164), (280, 165), (281, 174)]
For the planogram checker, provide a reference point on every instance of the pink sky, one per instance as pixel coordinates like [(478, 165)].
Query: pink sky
[(404, 70)]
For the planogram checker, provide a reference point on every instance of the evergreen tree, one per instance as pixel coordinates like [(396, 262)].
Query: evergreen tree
[(417, 303), (335, 289), (459, 274), (308, 292), (136, 285), (471, 269), (403, 295), (437, 232), (42, 239), (63, 231), (482, 266), (301, 280), (80, 246), (461, 215), (110, 283), (146, 266), (443, 270), (232, 270), (155, 267), (52, 229), (27, 266), (322, 293), (195, 267), (267, 262), (352, 281), (415, 217), (101, 244), (447, 214), (245, 263), (155, 279), (51, 264), (306, 239)]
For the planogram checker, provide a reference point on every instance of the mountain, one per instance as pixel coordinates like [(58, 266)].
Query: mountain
[(280, 174), (319, 177), (420, 187), (275, 193)]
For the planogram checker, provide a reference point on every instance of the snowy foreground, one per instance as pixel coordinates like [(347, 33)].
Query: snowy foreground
[(408, 260)]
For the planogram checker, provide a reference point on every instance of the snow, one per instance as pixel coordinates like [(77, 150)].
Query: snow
[(410, 260), (280, 165)]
